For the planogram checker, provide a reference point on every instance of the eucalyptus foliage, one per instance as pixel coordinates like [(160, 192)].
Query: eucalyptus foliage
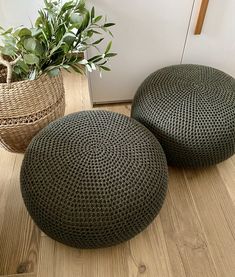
[(58, 39)]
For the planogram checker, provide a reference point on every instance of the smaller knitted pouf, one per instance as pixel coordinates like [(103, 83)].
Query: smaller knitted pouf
[(94, 179), (191, 110)]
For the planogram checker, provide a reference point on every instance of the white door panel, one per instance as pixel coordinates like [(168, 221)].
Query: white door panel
[(216, 44)]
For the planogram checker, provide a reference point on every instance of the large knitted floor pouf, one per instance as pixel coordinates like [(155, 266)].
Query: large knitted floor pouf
[(94, 179), (191, 110)]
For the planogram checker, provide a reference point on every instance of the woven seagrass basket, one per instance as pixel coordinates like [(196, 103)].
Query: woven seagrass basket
[(26, 107)]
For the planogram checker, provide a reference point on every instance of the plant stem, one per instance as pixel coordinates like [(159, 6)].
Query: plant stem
[(9, 66)]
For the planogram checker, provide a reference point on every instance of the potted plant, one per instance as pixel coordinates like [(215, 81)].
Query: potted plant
[(31, 86)]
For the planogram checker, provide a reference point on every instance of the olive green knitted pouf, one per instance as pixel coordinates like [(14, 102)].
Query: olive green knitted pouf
[(191, 110), (94, 179)]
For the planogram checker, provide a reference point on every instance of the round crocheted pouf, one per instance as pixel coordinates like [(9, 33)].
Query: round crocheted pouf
[(191, 110), (94, 179)]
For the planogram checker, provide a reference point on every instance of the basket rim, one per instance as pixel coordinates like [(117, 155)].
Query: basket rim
[(40, 77)]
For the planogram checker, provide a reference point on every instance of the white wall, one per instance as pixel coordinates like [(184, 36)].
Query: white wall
[(18, 12), (148, 35)]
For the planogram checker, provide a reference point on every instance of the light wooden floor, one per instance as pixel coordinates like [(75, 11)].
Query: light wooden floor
[(194, 235)]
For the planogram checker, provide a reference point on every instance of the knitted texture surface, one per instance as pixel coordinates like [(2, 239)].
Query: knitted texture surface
[(191, 110), (94, 179)]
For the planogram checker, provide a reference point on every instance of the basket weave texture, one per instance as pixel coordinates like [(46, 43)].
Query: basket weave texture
[(28, 106), (191, 110), (94, 179)]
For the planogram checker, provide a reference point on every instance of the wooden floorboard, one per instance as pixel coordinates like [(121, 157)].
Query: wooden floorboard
[(216, 212), (227, 173), (21, 275), (186, 241), (19, 237), (193, 235)]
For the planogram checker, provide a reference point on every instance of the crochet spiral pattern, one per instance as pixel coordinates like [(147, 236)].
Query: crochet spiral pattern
[(191, 111), (94, 179)]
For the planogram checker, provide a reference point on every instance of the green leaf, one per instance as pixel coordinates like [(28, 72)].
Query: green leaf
[(81, 7), (77, 69), (54, 72), (8, 51), (105, 68), (30, 44), (24, 32), (47, 4), (69, 40), (86, 20), (38, 22), (98, 41), (88, 67), (9, 41), (96, 59), (109, 55), (108, 47), (36, 32), (7, 32), (76, 18), (48, 30), (92, 13), (90, 33), (17, 70), (106, 25), (23, 66), (16, 33), (110, 33), (96, 32), (31, 59), (39, 49), (67, 6), (104, 62), (97, 19)]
